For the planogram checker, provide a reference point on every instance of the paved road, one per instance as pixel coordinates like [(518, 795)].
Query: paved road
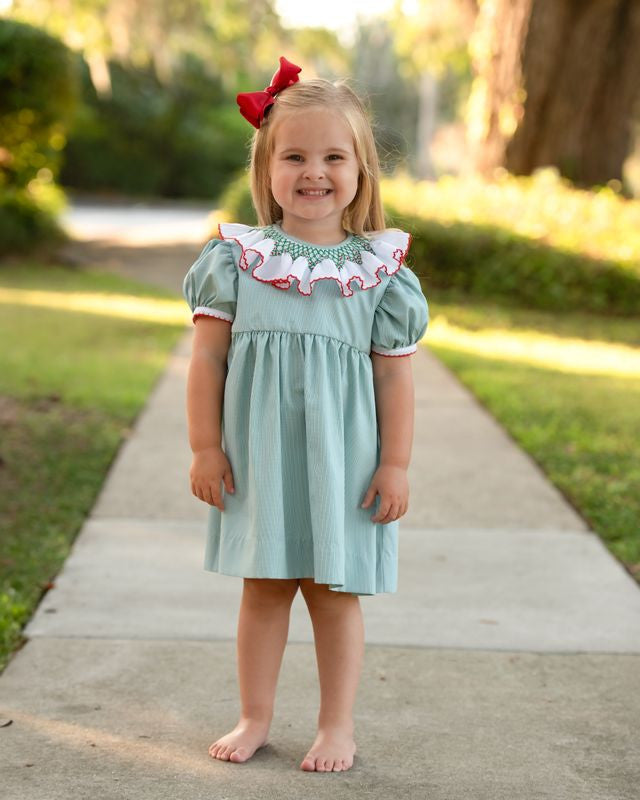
[(506, 666), (136, 222)]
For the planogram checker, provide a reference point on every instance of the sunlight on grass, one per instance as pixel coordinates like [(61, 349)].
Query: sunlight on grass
[(169, 312), (586, 357)]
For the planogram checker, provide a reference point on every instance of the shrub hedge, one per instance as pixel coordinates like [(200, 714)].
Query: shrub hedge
[(491, 262), (147, 139), (38, 94)]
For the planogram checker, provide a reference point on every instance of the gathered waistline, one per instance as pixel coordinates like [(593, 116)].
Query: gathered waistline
[(302, 333)]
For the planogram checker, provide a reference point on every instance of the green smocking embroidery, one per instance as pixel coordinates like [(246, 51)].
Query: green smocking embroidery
[(349, 251)]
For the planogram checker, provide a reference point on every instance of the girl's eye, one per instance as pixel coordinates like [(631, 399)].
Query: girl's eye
[(332, 155)]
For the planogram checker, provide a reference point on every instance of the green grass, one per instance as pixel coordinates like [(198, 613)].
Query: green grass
[(71, 385), (582, 429)]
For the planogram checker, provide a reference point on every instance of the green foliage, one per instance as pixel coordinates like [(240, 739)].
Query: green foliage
[(236, 200), (533, 241), (180, 140), (542, 207), (489, 262), (38, 94), (23, 222)]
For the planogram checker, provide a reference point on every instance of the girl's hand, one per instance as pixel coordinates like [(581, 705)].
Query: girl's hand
[(208, 468), (392, 484)]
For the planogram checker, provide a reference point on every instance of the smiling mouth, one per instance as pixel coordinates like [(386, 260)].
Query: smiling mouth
[(314, 192)]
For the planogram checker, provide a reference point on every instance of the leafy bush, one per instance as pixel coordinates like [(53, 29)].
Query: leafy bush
[(38, 94), (541, 207), (489, 262), (236, 200), (533, 241), (180, 140), (24, 223)]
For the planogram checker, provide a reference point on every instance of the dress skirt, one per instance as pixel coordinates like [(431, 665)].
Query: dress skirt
[(299, 429)]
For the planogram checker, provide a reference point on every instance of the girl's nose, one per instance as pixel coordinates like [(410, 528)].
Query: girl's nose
[(313, 170)]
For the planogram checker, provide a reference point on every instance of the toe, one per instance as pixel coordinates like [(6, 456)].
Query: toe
[(320, 765), (308, 763), (239, 754), (328, 764), (337, 767)]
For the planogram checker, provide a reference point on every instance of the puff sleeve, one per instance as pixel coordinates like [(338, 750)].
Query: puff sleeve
[(401, 317), (210, 287)]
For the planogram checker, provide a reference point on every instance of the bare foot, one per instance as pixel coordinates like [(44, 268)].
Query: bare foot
[(332, 751), (242, 742)]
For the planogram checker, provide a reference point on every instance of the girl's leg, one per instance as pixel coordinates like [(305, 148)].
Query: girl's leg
[(338, 630), (263, 627)]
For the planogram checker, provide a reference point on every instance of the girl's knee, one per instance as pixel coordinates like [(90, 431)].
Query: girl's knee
[(271, 589), (319, 595)]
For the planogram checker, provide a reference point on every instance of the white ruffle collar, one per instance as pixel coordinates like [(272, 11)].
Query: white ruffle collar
[(280, 258)]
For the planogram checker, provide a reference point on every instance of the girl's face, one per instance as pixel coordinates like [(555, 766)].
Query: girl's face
[(313, 149)]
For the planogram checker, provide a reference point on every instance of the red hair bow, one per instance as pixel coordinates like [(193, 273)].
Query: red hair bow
[(254, 105)]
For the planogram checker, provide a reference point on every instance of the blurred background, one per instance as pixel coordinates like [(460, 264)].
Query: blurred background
[(509, 134)]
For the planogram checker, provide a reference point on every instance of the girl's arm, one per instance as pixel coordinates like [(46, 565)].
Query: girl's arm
[(205, 382), (205, 398), (393, 386)]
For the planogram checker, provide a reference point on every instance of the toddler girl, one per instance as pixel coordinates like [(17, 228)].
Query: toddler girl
[(299, 369)]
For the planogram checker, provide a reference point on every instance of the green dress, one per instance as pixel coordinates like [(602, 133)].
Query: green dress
[(299, 417)]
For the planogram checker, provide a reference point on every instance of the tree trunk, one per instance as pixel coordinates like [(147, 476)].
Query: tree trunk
[(562, 81)]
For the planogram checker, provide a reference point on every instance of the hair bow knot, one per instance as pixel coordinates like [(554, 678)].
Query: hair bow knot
[(255, 105)]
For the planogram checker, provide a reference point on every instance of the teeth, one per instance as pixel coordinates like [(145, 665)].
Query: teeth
[(314, 192)]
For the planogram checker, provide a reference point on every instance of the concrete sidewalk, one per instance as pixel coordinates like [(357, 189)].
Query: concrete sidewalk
[(506, 666)]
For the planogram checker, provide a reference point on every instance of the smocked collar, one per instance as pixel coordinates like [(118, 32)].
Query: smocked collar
[(278, 258)]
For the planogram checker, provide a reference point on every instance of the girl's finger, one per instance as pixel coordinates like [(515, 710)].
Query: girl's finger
[(216, 495), (382, 511), (228, 482), (206, 494), (369, 496), (391, 514), (386, 507)]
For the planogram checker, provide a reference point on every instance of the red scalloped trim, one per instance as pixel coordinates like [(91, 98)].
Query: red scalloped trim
[(284, 284)]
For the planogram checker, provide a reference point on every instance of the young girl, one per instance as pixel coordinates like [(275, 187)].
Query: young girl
[(302, 328)]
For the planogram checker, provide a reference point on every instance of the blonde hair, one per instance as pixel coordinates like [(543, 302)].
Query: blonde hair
[(365, 213)]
